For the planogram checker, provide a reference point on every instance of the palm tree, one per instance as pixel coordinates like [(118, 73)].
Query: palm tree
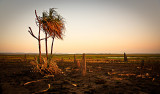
[(58, 29), (52, 25), (44, 27)]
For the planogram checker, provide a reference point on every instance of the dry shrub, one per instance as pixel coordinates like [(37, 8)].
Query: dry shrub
[(53, 68), (47, 67)]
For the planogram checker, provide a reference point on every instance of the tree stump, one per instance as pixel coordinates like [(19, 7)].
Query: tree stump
[(75, 61), (78, 64), (125, 57), (83, 65), (142, 64)]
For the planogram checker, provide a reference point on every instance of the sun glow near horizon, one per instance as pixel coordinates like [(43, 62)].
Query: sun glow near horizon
[(97, 27)]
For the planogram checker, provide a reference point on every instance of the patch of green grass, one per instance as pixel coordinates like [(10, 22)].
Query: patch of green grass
[(79, 56)]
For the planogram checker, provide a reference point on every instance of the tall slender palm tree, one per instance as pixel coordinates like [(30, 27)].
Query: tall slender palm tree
[(44, 27), (58, 29), (52, 25)]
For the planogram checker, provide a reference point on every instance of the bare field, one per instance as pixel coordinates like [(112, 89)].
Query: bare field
[(106, 73)]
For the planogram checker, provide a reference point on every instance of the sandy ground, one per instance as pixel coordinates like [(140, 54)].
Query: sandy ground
[(101, 78)]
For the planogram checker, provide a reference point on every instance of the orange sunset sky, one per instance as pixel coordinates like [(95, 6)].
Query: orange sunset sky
[(92, 26)]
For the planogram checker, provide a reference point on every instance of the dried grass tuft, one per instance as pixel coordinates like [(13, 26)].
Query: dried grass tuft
[(48, 67)]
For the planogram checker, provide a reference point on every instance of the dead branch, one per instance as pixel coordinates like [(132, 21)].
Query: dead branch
[(30, 31), (37, 16), (45, 38)]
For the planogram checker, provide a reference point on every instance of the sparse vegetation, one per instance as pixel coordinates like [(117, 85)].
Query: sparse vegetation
[(53, 26), (47, 67), (103, 75)]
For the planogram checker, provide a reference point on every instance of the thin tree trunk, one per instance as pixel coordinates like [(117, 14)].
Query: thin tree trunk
[(52, 45), (39, 41), (46, 46)]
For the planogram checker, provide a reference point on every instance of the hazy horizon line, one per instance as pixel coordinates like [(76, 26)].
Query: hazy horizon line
[(71, 53)]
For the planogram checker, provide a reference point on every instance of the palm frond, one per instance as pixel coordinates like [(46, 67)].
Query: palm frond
[(53, 23)]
